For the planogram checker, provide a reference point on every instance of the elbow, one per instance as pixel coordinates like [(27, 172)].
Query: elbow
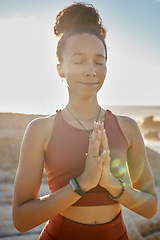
[(152, 208), (148, 209), (152, 214), (19, 226), (18, 223)]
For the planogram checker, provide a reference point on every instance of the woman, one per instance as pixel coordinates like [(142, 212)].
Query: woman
[(83, 147)]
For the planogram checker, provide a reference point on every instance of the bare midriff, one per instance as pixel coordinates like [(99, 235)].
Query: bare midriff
[(92, 214)]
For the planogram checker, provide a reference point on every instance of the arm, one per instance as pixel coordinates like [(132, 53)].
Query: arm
[(29, 210), (141, 197)]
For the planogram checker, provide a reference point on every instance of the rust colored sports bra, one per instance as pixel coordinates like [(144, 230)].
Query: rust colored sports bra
[(65, 157)]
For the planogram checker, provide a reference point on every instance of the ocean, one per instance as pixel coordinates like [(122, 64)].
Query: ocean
[(136, 112)]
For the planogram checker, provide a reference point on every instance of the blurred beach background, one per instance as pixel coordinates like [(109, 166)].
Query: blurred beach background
[(12, 127), (31, 87)]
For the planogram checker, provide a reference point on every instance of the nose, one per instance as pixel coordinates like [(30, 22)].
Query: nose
[(90, 71)]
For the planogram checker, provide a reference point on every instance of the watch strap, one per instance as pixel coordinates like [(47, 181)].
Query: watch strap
[(75, 186)]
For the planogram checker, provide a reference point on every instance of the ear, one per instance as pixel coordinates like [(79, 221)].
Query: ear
[(60, 70)]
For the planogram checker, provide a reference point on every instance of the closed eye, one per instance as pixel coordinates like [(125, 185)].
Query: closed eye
[(100, 60), (98, 63), (78, 62)]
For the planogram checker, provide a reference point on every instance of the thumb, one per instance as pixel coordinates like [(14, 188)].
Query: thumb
[(102, 157), (107, 160)]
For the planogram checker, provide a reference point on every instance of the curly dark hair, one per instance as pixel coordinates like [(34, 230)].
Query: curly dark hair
[(76, 19)]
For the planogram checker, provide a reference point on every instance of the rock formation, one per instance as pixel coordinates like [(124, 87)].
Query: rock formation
[(150, 128)]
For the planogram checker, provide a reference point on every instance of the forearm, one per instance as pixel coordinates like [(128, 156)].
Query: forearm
[(34, 212), (143, 203)]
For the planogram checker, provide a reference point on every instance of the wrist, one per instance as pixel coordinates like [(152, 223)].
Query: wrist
[(123, 185), (82, 183), (76, 188), (108, 182), (113, 185), (116, 188)]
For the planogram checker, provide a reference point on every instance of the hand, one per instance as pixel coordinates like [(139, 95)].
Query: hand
[(94, 161), (106, 173)]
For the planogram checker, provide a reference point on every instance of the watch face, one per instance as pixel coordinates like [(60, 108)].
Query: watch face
[(73, 184)]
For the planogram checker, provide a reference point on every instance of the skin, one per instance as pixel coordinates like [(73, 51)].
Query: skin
[(84, 69)]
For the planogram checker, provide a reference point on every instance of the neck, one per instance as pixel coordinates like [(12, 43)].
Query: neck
[(84, 109)]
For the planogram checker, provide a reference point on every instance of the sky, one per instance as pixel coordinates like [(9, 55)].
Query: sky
[(28, 76)]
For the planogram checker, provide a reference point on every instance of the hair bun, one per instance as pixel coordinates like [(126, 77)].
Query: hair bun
[(78, 15)]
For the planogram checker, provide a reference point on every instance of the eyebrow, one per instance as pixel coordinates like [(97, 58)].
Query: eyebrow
[(81, 54)]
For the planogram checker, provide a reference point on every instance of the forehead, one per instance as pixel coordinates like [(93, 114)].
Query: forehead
[(83, 43)]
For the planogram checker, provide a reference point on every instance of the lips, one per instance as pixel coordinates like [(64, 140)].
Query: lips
[(89, 83)]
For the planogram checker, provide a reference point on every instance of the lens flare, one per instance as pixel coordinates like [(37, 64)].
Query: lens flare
[(138, 171), (145, 198), (117, 167)]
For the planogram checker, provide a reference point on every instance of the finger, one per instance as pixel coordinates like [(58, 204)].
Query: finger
[(93, 136), (101, 159), (105, 141), (94, 148), (97, 143), (107, 160), (94, 132), (101, 126)]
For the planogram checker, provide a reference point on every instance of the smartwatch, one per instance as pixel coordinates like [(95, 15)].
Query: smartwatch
[(76, 187)]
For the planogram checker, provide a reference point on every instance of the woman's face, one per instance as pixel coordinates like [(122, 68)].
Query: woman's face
[(84, 64)]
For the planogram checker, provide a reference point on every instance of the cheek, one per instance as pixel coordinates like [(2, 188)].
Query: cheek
[(103, 73), (72, 71)]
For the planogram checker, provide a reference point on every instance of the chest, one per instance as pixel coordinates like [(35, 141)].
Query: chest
[(67, 151)]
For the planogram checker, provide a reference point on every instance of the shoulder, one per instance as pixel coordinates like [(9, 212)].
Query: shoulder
[(40, 128), (129, 127), (128, 121), (40, 124), (123, 119)]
